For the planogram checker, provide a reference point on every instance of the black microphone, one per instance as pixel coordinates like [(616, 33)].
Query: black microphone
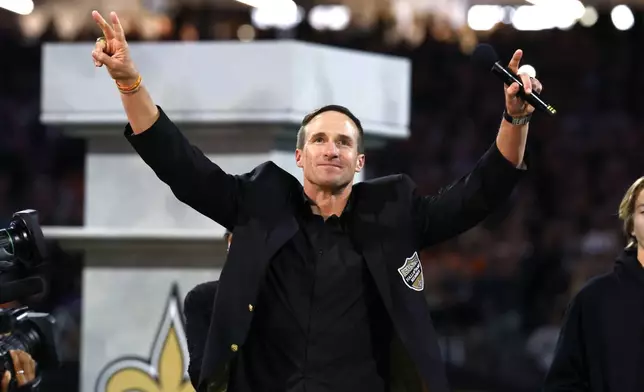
[(485, 57), (20, 289)]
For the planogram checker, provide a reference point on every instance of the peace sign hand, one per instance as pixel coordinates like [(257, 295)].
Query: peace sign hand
[(112, 50)]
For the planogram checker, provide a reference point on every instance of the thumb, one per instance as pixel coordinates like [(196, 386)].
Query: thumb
[(103, 58)]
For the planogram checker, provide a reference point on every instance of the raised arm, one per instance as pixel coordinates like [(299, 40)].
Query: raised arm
[(465, 203), (193, 178), (470, 200)]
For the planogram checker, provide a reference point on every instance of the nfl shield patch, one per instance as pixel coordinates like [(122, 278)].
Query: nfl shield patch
[(412, 273)]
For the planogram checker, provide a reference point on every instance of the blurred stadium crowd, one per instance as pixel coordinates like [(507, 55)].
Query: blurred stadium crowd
[(499, 291)]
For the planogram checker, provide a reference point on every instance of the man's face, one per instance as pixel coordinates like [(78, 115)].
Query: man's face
[(638, 220), (330, 158)]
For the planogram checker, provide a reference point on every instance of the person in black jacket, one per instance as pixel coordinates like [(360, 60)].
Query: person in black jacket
[(601, 343), (322, 289), (197, 307)]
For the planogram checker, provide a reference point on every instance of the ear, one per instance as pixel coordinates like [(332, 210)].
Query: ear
[(360, 163), (298, 158)]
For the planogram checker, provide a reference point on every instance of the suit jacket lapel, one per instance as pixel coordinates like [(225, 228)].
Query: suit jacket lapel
[(284, 229)]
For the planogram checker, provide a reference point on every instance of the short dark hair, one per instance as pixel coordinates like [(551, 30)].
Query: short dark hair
[(301, 133)]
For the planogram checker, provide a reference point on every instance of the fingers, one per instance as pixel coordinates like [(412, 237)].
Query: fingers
[(108, 32), (536, 85), (516, 59), (527, 83), (513, 90), (24, 366), (18, 368), (28, 365), (118, 27), (101, 47), (101, 58), (6, 378)]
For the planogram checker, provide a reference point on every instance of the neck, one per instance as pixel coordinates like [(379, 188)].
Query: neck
[(327, 201)]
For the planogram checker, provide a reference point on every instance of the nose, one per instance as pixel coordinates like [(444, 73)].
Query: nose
[(331, 150)]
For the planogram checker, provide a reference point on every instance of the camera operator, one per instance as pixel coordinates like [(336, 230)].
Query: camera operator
[(24, 368), (23, 331)]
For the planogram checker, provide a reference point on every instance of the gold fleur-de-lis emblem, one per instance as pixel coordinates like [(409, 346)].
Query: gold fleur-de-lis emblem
[(167, 368)]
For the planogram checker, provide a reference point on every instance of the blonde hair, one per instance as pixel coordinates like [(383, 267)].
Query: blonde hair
[(627, 210)]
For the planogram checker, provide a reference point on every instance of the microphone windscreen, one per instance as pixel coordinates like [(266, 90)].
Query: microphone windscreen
[(484, 56)]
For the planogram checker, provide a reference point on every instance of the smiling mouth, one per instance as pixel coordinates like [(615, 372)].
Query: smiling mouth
[(330, 165)]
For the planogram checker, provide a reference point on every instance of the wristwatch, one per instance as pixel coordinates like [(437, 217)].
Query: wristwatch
[(516, 120)]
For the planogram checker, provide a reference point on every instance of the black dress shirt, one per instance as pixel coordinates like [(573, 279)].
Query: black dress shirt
[(320, 324)]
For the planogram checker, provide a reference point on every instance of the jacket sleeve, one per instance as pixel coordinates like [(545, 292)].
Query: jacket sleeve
[(191, 176), (465, 203), (568, 371), (198, 307)]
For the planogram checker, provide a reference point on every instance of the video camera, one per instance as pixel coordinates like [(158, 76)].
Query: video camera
[(22, 248)]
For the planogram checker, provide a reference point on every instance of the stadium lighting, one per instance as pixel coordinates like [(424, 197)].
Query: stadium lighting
[(485, 17), (528, 69), (329, 17), (281, 14), (622, 17), (590, 17), (22, 7), (548, 14), (263, 3)]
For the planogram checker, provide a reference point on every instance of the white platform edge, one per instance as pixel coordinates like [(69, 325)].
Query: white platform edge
[(99, 233)]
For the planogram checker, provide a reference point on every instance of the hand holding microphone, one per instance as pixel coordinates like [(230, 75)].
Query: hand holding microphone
[(521, 91)]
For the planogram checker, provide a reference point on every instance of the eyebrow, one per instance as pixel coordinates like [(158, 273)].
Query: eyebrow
[(322, 134), (317, 134)]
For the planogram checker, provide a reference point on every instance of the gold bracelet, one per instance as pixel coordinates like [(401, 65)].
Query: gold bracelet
[(130, 89)]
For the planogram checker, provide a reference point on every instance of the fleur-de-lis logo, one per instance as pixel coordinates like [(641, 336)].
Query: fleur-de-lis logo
[(167, 368)]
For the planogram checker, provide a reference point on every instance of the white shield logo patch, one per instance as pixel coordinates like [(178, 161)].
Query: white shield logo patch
[(412, 273)]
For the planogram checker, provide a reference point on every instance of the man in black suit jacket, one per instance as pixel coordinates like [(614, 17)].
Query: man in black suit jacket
[(323, 288)]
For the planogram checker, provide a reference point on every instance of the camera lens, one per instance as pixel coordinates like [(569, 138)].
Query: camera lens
[(22, 240), (7, 249)]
